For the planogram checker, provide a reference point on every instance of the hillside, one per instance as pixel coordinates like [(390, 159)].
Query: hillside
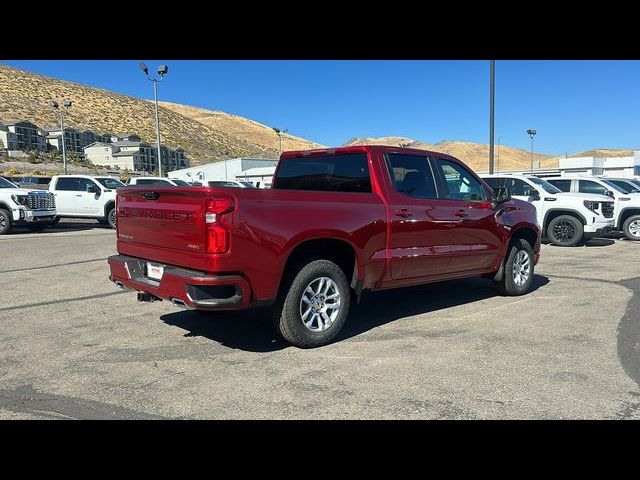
[(24, 95), (605, 152), (476, 155), (242, 128)]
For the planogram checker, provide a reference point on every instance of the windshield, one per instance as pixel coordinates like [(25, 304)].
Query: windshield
[(549, 188), (248, 184), (4, 183), (180, 183), (110, 183), (629, 186), (616, 187)]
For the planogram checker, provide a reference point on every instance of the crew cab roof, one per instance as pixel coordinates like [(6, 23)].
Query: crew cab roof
[(364, 148)]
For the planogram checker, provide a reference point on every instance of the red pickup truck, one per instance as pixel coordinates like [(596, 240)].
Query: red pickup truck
[(335, 222)]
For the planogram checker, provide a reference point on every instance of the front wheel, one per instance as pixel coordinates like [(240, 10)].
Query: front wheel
[(312, 308), (518, 269), (631, 227), (565, 231)]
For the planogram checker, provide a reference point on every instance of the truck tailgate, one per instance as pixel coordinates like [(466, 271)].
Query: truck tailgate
[(167, 217)]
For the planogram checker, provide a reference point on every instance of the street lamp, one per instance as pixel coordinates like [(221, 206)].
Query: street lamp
[(162, 71), (280, 133), (66, 104), (492, 103), (532, 133)]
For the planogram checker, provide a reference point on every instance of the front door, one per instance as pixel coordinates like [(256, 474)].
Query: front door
[(88, 203), (475, 239)]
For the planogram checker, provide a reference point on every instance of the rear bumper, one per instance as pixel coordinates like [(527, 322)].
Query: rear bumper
[(184, 287)]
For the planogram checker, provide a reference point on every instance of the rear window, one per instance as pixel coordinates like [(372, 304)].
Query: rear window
[(330, 173)]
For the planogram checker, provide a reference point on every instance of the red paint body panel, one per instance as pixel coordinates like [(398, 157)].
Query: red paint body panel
[(265, 226)]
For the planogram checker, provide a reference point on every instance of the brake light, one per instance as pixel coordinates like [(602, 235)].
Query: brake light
[(218, 224)]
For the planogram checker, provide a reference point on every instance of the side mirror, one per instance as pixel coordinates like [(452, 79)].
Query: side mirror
[(92, 188), (609, 193), (535, 195), (502, 195)]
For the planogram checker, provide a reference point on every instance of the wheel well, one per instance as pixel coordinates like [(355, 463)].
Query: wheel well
[(338, 251), (5, 207), (527, 234), (108, 207), (626, 213), (556, 213)]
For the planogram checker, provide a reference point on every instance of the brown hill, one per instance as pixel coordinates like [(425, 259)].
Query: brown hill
[(243, 128), (605, 152), (25, 95), (476, 155)]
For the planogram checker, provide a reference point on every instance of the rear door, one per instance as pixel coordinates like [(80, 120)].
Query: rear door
[(65, 191), (563, 184), (420, 223), (474, 240)]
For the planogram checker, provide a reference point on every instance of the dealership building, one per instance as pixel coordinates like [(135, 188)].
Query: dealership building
[(251, 169)]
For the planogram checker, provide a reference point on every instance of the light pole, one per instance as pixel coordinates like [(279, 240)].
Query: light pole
[(67, 104), (280, 133), (532, 133), (491, 113), (162, 71)]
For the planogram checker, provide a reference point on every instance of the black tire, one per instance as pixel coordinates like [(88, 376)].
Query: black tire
[(55, 221), (287, 315), (508, 286), (111, 217), (631, 228), (6, 221), (565, 231)]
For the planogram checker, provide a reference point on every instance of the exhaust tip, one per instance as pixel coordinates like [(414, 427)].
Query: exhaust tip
[(120, 285), (178, 302)]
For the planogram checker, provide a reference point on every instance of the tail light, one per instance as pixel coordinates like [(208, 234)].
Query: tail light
[(218, 224)]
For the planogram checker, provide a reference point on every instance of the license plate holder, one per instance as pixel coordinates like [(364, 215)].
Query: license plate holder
[(155, 271)]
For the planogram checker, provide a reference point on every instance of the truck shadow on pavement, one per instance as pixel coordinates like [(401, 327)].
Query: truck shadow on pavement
[(252, 330)]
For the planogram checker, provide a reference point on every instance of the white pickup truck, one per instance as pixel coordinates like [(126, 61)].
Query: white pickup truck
[(566, 219), (18, 206), (84, 196), (627, 204)]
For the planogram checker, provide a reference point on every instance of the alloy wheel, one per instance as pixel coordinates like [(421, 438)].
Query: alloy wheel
[(521, 269), (320, 304)]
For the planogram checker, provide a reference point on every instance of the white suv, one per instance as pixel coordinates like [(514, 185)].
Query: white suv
[(83, 196), (627, 204), (565, 219)]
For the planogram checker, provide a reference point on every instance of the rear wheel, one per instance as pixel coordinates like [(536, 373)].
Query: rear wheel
[(565, 231), (518, 269), (631, 227), (5, 221), (313, 306), (110, 219)]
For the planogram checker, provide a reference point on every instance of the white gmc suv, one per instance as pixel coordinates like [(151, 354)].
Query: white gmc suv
[(627, 204), (565, 219), (18, 206), (83, 196)]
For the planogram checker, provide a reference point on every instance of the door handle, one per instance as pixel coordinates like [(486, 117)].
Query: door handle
[(403, 212), (461, 213), (78, 195)]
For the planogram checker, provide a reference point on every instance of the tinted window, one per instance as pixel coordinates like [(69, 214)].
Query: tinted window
[(222, 183), (6, 183), (43, 180), (83, 183), (494, 182), (519, 187), (180, 183), (562, 185), (458, 182), (151, 181), (587, 186), (545, 185), (411, 175), (67, 183), (110, 183), (334, 173), (625, 186)]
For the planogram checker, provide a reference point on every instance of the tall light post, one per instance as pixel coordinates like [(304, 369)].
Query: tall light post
[(491, 113), (162, 71), (532, 133), (280, 133), (67, 104)]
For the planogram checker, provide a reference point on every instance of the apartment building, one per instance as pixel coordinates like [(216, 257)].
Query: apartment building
[(72, 139), (133, 155), (22, 135)]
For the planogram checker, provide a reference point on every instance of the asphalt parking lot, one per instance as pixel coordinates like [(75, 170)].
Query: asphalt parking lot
[(75, 347)]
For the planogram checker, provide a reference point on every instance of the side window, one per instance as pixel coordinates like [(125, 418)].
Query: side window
[(67, 184), (494, 183), (564, 185), (458, 182), (587, 186), (411, 175), (519, 187), (83, 183)]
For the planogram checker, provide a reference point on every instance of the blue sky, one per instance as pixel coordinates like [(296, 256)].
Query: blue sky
[(574, 105)]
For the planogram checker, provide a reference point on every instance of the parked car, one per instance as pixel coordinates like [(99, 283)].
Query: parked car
[(626, 216), (335, 221), (627, 184), (33, 209), (230, 184), (566, 219), (176, 182), (84, 196), (34, 182)]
